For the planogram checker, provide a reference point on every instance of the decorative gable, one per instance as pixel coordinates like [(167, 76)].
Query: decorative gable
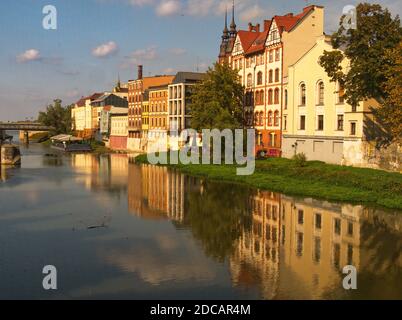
[(237, 48), (273, 35)]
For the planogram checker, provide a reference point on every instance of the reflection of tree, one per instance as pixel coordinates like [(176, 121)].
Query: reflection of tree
[(217, 217)]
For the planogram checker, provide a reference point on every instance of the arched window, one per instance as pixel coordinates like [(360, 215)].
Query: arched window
[(260, 119), (302, 89), (259, 78), (276, 118), (270, 118), (257, 97), (270, 96), (320, 93), (270, 76), (276, 96), (277, 75), (256, 118), (262, 96), (249, 80)]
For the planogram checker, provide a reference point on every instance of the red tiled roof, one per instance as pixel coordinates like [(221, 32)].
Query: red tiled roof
[(247, 38), (253, 41), (259, 43), (81, 102)]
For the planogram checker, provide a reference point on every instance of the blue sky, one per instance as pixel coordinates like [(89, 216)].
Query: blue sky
[(98, 39)]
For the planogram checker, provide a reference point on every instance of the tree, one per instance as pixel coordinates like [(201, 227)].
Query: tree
[(365, 48), (57, 117), (217, 101), (391, 110)]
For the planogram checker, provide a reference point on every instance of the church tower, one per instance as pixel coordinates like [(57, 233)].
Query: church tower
[(225, 40)]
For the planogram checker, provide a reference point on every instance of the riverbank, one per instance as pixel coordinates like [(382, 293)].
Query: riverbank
[(313, 179)]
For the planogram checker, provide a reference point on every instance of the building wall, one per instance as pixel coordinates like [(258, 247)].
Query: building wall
[(302, 37), (325, 143), (158, 110), (118, 132)]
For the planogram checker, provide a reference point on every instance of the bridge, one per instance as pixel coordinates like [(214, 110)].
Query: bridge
[(26, 127)]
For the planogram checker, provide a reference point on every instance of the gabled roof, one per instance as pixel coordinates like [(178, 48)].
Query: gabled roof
[(247, 38), (288, 21), (259, 43), (81, 102)]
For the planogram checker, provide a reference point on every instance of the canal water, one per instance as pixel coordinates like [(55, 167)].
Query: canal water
[(114, 229)]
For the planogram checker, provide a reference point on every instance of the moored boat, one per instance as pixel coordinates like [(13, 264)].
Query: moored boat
[(69, 143)]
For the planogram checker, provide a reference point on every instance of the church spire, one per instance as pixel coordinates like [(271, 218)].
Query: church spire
[(233, 31), (226, 30)]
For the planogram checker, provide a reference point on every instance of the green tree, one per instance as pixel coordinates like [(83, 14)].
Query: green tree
[(391, 110), (217, 101), (57, 117), (365, 47)]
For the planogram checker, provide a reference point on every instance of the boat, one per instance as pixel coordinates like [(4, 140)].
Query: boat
[(69, 143), (10, 154)]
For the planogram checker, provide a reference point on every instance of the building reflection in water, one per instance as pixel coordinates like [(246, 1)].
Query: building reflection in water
[(287, 247)]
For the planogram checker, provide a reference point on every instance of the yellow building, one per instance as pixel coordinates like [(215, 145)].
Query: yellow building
[(317, 120), (118, 131)]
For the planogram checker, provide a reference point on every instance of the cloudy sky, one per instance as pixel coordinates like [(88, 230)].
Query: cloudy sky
[(98, 39)]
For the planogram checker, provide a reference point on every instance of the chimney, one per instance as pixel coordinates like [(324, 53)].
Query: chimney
[(140, 71), (250, 26), (257, 27), (267, 24)]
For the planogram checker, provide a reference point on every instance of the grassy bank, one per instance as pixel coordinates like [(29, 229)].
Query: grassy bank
[(314, 179)]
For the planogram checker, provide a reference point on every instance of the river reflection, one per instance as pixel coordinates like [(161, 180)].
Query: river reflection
[(288, 248), (116, 229)]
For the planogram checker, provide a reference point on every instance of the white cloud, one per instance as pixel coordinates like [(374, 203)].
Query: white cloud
[(168, 8), (178, 51), (139, 56), (169, 71), (105, 50), (200, 8), (29, 55), (253, 13)]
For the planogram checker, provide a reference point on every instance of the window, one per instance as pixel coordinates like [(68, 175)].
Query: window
[(318, 221), (303, 122), (353, 128), (270, 118), (261, 119), (299, 244), (259, 78), (270, 96), (300, 217), (277, 75), (277, 54), (247, 62), (276, 118), (302, 94), (249, 80), (320, 122), (276, 96), (337, 227), (271, 56), (350, 229), (286, 99), (257, 97), (320, 91), (317, 249), (270, 76), (341, 92), (262, 94), (340, 122), (241, 64), (285, 122)]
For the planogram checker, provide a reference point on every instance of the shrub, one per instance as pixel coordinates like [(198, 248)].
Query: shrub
[(300, 159)]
